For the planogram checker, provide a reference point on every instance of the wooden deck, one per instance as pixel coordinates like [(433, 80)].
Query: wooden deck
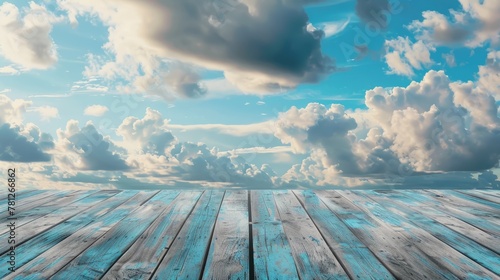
[(427, 234)]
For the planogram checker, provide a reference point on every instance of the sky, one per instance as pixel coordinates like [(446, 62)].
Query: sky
[(257, 94)]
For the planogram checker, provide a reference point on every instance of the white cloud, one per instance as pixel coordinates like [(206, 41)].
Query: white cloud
[(86, 149), (402, 56), (95, 110), (26, 39), (46, 112), (489, 75), (266, 127), (9, 70), (333, 28), (11, 111), (432, 125), (474, 25), (144, 50)]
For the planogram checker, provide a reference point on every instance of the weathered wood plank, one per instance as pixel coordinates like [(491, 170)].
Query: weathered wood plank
[(31, 202), (228, 256), (103, 253), (18, 195), (26, 232), (33, 214), (358, 261), (272, 255), (477, 217), (313, 258), (416, 202), (47, 239), (141, 259), (437, 241), (489, 197), (53, 259), (475, 206), (463, 213), (398, 253), (186, 256)]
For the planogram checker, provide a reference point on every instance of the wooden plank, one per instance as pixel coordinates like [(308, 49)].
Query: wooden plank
[(463, 213), (358, 261), (145, 254), (478, 207), (25, 217), (495, 193), (28, 231), (45, 240), (399, 254), (228, 256), (31, 202), (437, 241), (313, 258), (272, 255), (480, 195), (19, 195), (186, 256), (103, 253), (417, 201)]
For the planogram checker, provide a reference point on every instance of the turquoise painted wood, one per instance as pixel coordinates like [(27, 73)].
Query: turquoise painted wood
[(142, 258), (111, 246), (48, 221), (355, 257), (413, 224), (24, 217), (390, 246), (312, 256), (475, 217), (47, 239), (258, 234), (186, 256), (417, 203), (488, 197), (31, 202), (229, 254), (272, 255)]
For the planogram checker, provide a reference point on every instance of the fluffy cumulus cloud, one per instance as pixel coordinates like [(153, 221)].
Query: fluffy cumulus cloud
[(403, 56), (153, 149), (95, 110), (489, 75), (474, 25), (26, 39), (435, 125), (86, 149), (18, 142), (240, 38)]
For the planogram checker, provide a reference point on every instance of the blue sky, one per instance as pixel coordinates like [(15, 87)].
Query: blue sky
[(253, 94)]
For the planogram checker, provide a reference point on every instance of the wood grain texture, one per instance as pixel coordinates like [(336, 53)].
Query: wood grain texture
[(24, 217), (272, 255), (141, 259), (488, 197), (445, 246), (186, 256), (258, 234), (229, 254), (313, 258), (417, 203), (358, 261), (398, 253)]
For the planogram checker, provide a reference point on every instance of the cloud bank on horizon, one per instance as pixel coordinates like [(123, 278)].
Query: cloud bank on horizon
[(251, 94)]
